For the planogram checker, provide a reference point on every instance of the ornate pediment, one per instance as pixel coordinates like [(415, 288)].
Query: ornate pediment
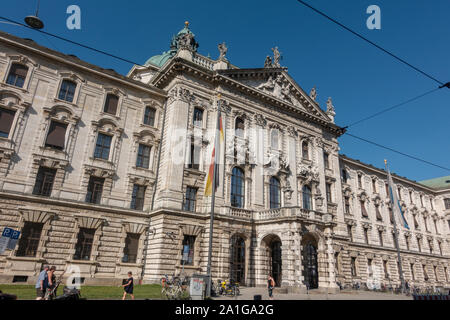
[(277, 83)]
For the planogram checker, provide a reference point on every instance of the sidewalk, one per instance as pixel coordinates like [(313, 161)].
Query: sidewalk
[(248, 293)]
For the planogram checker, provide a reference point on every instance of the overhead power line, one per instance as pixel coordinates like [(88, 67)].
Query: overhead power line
[(392, 107), (374, 44), (72, 42), (396, 151)]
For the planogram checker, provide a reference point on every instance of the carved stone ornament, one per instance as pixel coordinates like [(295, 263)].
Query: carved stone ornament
[(260, 120), (222, 50), (308, 173)]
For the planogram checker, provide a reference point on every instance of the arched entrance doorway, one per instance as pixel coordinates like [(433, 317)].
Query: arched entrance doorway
[(237, 259), (274, 260), (309, 261)]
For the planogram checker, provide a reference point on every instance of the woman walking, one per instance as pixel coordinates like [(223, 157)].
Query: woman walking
[(128, 287)]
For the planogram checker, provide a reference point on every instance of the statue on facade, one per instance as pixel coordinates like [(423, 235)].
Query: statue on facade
[(222, 50), (268, 62), (313, 94), (276, 57), (330, 107)]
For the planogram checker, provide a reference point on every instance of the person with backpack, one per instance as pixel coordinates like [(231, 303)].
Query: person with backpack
[(270, 286), (128, 287)]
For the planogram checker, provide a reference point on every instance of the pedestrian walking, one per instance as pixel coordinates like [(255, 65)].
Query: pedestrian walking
[(270, 285), (42, 283), (51, 290), (128, 287)]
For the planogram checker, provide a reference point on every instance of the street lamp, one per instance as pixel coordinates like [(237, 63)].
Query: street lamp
[(33, 21)]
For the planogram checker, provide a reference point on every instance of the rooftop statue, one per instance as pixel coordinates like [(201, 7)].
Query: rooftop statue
[(222, 50), (276, 57), (313, 94), (268, 62)]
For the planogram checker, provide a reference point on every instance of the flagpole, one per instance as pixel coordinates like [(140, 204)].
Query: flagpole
[(399, 260), (213, 199)]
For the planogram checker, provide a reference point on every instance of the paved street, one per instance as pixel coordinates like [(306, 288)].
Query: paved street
[(248, 293)]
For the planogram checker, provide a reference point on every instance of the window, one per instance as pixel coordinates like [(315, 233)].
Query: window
[(95, 188), (446, 273), (419, 244), (411, 266), (399, 191), (111, 103), (447, 203), (410, 197), (430, 245), (190, 199), (187, 252), (407, 243), (380, 237), (149, 116), (307, 198), (387, 190), (138, 197), (305, 150), (347, 205), (363, 209), (274, 139), (198, 117), (326, 161), (440, 248), (329, 194), (391, 215), (194, 162), (337, 265), (275, 193), (29, 241), (353, 266), (431, 204), (369, 267), (6, 121), (350, 233), (239, 128), (378, 213), (386, 270), (67, 90), (421, 200), (425, 274), (374, 185), (56, 135), (359, 181), (435, 273), (102, 146), (44, 181), (344, 176), (143, 157), (416, 224), (435, 226), (17, 75), (131, 248), (84, 244), (237, 188), (366, 235)]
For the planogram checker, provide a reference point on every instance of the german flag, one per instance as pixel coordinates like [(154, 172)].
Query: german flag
[(218, 142)]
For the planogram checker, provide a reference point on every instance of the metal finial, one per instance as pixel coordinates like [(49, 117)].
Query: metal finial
[(186, 24)]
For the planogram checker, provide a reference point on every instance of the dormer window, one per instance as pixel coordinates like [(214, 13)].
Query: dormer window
[(17, 75), (111, 103), (6, 121), (67, 90), (56, 135), (198, 117), (149, 116)]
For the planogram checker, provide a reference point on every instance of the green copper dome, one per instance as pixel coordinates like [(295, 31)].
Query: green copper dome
[(161, 59)]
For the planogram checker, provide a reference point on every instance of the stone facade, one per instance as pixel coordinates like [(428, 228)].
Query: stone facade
[(289, 215)]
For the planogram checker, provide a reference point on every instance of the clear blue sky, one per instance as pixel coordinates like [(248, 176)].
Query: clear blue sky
[(360, 79)]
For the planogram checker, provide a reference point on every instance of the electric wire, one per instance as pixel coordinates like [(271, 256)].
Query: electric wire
[(73, 42), (398, 152), (372, 43)]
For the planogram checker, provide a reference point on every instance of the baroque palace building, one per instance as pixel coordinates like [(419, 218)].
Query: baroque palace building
[(105, 174)]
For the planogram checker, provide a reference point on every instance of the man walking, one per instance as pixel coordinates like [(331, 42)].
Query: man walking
[(42, 283), (270, 286)]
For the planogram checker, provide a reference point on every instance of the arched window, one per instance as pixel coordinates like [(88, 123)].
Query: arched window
[(239, 127), (307, 199), (237, 188), (274, 139), (17, 75), (275, 193), (198, 117), (305, 150)]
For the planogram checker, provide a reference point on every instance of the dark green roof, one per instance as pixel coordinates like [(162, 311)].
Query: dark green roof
[(437, 183)]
